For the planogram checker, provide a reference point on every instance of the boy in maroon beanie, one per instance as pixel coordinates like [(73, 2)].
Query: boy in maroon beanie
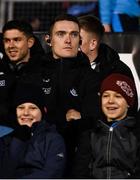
[(110, 150)]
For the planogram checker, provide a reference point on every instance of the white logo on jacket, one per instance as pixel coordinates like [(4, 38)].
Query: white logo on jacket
[(73, 92), (47, 90), (61, 155), (46, 80), (2, 82), (1, 73)]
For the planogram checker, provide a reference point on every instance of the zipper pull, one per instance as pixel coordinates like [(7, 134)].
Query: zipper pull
[(111, 129)]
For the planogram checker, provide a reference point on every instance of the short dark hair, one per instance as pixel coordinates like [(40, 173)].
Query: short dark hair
[(91, 23), (20, 25), (62, 17)]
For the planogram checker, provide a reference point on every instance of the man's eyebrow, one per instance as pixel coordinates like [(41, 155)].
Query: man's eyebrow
[(62, 31), (77, 32)]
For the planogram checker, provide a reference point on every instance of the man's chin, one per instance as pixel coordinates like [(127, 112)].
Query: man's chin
[(68, 56), (13, 59)]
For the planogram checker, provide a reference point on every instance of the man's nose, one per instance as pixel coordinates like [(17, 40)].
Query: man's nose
[(11, 43), (68, 39)]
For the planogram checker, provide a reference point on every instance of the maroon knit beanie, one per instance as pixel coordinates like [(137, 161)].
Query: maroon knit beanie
[(121, 84)]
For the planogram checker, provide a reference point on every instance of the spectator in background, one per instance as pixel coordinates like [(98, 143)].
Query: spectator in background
[(75, 85), (34, 150), (79, 9), (111, 150), (120, 16), (35, 23), (103, 59), (22, 61)]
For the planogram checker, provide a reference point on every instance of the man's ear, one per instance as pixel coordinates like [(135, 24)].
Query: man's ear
[(48, 40), (31, 42), (93, 44)]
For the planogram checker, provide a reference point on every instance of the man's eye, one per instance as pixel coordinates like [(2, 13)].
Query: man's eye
[(6, 40), (75, 34), (17, 39), (60, 34)]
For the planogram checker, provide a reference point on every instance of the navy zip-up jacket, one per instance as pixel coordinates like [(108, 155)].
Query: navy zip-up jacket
[(30, 153)]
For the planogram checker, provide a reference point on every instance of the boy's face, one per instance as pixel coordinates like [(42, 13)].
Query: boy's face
[(28, 113), (65, 39), (17, 45), (114, 106)]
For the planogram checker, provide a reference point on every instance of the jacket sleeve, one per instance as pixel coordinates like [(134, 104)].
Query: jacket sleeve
[(90, 100), (55, 158), (81, 166), (105, 10), (136, 174)]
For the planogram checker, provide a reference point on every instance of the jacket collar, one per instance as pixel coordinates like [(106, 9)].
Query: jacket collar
[(127, 122), (80, 60), (106, 57)]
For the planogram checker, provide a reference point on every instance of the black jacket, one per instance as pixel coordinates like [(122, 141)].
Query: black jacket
[(73, 85), (30, 153), (108, 61), (109, 151), (11, 73)]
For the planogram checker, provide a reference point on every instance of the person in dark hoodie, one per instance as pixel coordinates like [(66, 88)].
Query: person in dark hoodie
[(75, 84), (22, 61), (103, 59), (111, 149), (34, 150)]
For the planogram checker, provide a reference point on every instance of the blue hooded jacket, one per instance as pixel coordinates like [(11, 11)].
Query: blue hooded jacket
[(109, 7)]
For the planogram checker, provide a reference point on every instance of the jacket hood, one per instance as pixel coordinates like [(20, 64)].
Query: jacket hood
[(37, 48)]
